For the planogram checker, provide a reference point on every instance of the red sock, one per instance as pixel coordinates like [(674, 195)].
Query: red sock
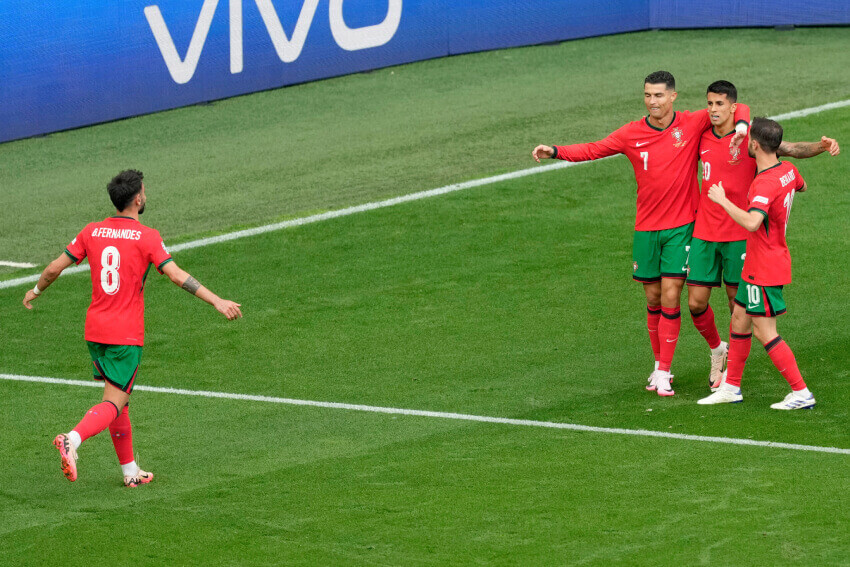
[(739, 350), (653, 314), (668, 335), (782, 357), (704, 322), (96, 420), (122, 436)]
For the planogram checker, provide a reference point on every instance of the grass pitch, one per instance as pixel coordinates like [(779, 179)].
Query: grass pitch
[(510, 300)]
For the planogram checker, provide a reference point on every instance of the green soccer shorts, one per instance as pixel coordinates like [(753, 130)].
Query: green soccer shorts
[(660, 254), (117, 364), (761, 301), (709, 261)]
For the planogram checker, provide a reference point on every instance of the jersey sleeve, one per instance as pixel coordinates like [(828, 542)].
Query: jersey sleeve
[(157, 252), (761, 196), (742, 114), (76, 250), (609, 146)]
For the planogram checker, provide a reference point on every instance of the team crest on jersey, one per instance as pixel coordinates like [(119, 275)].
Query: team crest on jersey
[(634, 266), (677, 135), (736, 156)]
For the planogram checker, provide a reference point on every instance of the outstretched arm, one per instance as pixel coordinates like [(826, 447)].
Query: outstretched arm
[(750, 220), (609, 146), (808, 149), (183, 279), (48, 276)]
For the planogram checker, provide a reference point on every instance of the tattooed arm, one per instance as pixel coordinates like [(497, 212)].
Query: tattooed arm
[(180, 277), (808, 149)]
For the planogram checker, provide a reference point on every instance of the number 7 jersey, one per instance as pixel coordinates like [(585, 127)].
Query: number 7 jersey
[(120, 252)]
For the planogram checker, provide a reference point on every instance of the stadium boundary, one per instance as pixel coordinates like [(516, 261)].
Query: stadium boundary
[(5, 284), (442, 415)]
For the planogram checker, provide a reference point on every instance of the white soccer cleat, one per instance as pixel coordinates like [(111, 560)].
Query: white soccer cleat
[(725, 394), (651, 380), (718, 361), (795, 401), (662, 383)]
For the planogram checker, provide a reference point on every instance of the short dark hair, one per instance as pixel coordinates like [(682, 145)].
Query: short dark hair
[(724, 88), (767, 133), (661, 77), (124, 187)]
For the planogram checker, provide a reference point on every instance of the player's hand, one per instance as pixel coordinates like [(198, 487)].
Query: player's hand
[(229, 309), (716, 193), (830, 145), (736, 140), (28, 298), (544, 152)]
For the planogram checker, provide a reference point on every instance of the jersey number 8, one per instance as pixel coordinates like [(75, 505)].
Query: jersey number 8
[(110, 259)]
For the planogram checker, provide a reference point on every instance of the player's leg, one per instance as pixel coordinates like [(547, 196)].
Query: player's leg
[(117, 366), (740, 341), (733, 254), (675, 244), (646, 265), (780, 353), (121, 432)]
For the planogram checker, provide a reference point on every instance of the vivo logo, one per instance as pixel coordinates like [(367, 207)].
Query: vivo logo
[(288, 49)]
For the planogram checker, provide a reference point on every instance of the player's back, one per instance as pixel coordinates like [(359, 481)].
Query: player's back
[(768, 261), (120, 251)]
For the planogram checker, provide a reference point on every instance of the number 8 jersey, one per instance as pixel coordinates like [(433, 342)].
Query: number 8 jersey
[(120, 252)]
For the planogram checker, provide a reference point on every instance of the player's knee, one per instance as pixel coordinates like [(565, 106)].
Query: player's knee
[(697, 305)]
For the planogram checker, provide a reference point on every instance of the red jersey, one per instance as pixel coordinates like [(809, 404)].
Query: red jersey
[(120, 251), (768, 261), (736, 169), (664, 161)]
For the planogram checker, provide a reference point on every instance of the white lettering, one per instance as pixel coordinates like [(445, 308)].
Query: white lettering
[(787, 178), (352, 39), (288, 49), (181, 70)]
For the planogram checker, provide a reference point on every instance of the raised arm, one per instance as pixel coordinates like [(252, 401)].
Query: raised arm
[(808, 149), (48, 276), (183, 279), (750, 220)]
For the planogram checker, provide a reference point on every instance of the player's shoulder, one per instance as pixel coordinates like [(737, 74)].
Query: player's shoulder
[(148, 232)]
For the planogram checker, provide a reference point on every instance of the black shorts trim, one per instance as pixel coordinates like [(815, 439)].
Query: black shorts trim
[(103, 376), (674, 276), (735, 285), (744, 305), (646, 280), (702, 284)]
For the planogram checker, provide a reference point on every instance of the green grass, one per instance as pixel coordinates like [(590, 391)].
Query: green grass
[(510, 300)]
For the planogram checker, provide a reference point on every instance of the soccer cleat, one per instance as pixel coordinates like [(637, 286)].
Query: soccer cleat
[(662, 384), (69, 456), (141, 477), (725, 394), (718, 361), (795, 401), (651, 380)]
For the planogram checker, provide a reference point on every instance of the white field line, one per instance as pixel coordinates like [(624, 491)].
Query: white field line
[(386, 203), (442, 415), (16, 264)]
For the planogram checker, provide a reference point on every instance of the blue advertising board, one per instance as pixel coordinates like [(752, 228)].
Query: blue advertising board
[(79, 62)]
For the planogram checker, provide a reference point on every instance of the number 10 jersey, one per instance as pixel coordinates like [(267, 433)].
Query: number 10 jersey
[(120, 252)]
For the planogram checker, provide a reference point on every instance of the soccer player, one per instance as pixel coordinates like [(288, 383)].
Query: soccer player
[(718, 245), (120, 251), (663, 150), (767, 268)]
